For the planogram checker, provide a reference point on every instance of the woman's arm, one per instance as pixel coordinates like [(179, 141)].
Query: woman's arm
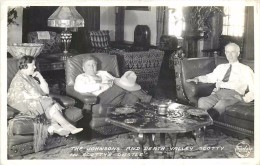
[(43, 84)]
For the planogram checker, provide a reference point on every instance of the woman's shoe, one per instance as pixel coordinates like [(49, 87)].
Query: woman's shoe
[(72, 129), (51, 130), (62, 132), (76, 130), (55, 128)]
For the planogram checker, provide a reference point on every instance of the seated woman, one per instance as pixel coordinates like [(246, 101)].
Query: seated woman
[(28, 93), (110, 90)]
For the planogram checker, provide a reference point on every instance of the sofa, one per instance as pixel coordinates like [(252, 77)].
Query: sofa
[(20, 141), (238, 119)]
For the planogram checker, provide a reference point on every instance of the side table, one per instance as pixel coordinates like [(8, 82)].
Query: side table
[(51, 67)]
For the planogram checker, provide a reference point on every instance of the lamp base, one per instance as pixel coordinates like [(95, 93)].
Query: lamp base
[(66, 37)]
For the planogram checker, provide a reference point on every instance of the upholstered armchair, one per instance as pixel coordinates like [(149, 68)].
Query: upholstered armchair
[(95, 113), (238, 119), (146, 65), (20, 141), (51, 40)]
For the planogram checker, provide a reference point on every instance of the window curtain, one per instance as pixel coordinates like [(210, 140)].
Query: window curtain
[(119, 25), (80, 40), (162, 15), (248, 52)]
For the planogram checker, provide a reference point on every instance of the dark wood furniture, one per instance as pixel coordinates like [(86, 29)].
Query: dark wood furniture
[(127, 46), (191, 44), (146, 122), (50, 62)]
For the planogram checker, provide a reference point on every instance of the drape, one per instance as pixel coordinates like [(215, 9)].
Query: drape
[(248, 47), (80, 40), (119, 25), (162, 16)]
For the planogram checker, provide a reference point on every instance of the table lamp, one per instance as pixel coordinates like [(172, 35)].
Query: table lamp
[(66, 17)]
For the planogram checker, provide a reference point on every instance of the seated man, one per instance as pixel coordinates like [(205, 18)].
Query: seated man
[(232, 80), (111, 90)]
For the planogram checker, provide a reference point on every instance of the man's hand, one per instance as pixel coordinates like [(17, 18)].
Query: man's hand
[(196, 80), (218, 84)]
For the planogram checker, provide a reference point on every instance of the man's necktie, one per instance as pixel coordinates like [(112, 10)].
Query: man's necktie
[(227, 75)]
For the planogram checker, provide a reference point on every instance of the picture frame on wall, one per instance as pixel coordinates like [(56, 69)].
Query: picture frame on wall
[(141, 8)]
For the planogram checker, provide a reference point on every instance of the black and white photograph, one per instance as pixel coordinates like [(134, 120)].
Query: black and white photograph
[(107, 81)]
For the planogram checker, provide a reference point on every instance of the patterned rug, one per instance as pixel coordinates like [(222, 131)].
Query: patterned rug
[(125, 146)]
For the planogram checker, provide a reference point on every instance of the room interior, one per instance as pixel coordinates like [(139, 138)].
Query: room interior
[(134, 33)]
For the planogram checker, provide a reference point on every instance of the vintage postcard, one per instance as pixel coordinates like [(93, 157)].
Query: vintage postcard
[(130, 81)]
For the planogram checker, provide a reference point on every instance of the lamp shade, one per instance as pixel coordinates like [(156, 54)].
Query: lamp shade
[(66, 17)]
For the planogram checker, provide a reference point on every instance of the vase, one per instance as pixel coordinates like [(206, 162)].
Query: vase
[(142, 36)]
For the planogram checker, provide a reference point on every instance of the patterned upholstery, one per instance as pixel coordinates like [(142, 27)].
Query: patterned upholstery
[(99, 40), (51, 46), (146, 65)]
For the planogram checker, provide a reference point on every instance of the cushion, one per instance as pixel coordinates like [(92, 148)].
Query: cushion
[(241, 123), (23, 127), (73, 114), (241, 111), (51, 46), (99, 39)]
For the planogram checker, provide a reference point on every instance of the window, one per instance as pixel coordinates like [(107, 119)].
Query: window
[(233, 21), (176, 21)]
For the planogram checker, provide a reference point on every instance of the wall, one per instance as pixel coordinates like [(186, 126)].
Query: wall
[(14, 31), (107, 20), (136, 17)]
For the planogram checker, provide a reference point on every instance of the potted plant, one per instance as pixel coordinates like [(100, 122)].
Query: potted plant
[(12, 15), (199, 18)]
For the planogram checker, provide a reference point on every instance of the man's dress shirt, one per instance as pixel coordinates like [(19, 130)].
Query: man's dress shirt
[(87, 84), (241, 78)]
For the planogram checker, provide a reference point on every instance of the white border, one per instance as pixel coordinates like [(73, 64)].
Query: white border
[(3, 49)]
